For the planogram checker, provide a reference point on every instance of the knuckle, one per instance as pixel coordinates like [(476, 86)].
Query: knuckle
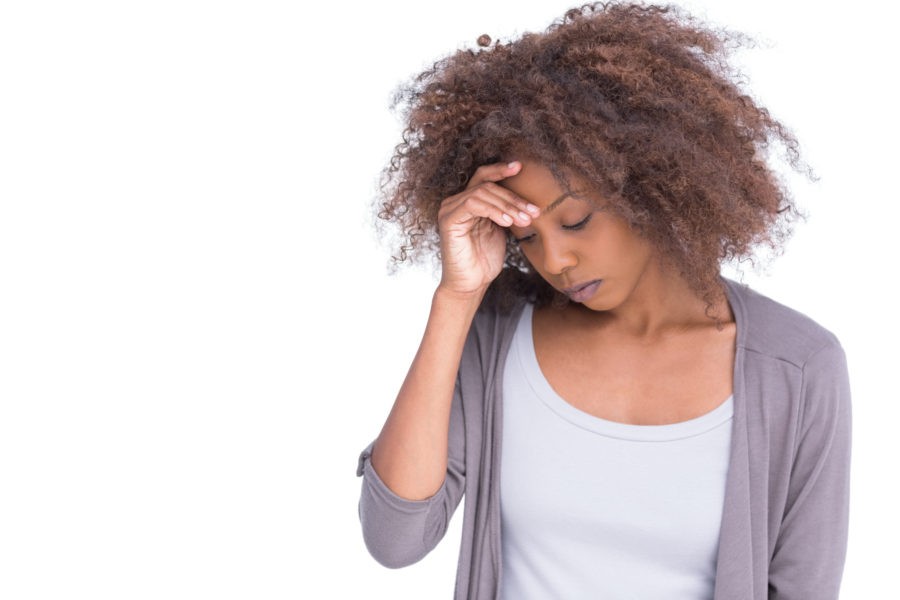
[(486, 170), (470, 200)]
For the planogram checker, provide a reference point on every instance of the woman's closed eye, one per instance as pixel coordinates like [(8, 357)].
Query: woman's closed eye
[(579, 225), (522, 240)]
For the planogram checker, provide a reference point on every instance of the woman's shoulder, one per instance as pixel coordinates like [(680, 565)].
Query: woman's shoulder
[(769, 327)]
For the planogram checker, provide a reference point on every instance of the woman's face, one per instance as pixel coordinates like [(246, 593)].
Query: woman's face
[(577, 245)]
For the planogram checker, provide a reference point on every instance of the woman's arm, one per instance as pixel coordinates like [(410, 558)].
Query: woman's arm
[(809, 554), (399, 531), (410, 454), (415, 469)]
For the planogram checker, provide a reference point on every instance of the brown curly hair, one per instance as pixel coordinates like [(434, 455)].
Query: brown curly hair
[(638, 99)]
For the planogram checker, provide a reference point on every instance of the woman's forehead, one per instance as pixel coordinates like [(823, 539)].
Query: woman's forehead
[(536, 183)]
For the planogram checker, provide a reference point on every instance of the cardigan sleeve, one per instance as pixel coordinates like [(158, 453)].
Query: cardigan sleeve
[(397, 531), (808, 557)]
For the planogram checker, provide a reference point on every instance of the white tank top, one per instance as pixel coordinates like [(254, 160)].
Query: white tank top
[(597, 509)]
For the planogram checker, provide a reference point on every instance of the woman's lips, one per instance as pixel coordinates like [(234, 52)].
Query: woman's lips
[(583, 291)]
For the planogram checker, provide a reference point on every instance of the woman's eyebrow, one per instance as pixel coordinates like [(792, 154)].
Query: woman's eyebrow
[(558, 201)]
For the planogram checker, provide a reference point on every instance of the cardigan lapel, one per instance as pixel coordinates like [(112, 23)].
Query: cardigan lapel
[(734, 581)]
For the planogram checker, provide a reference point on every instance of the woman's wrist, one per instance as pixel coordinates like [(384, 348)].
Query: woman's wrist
[(471, 300)]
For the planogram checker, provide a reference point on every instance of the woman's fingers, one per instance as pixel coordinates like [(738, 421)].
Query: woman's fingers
[(489, 200), (493, 172), (495, 203)]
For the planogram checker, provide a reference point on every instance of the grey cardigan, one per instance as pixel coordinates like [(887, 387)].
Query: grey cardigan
[(785, 520)]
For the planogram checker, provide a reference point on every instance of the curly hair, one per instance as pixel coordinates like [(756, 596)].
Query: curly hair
[(637, 99)]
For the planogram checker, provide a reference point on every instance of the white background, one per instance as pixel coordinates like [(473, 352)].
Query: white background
[(198, 333)]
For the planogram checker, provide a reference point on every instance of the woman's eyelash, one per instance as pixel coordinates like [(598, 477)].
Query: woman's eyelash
[(574, 227), (580, 223)]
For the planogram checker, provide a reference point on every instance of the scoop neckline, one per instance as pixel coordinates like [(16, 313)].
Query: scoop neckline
[(615, 429)]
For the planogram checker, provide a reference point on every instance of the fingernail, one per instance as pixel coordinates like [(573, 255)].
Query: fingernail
[(512, 165), (507, 218), (531, 208), (525, 216)]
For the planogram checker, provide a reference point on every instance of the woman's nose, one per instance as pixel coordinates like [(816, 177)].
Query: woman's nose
[(558, 257)]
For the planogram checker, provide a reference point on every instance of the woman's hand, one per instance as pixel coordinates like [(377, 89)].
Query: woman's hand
[(470, 225)]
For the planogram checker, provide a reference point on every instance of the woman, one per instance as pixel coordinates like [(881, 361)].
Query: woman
[(622, 420)]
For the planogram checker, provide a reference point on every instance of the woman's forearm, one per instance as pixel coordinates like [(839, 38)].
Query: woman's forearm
[(410, 454)]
